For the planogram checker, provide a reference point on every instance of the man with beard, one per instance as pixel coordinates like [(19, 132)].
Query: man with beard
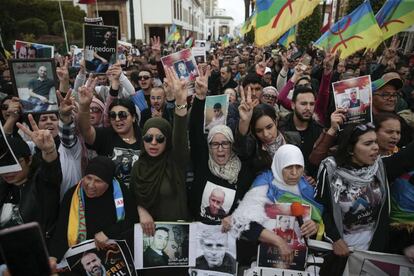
[(92, 264), (300, 125), (219, 81), (159, 107)]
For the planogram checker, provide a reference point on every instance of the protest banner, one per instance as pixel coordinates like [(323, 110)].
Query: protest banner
[(215, 111), (30, 50)]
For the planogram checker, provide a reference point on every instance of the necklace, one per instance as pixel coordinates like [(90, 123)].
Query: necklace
[(127, 139)]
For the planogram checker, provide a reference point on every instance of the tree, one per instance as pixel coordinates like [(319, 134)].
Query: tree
[(309, 28), (32, 25)]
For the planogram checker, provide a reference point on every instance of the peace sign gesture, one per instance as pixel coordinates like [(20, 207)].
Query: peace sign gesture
[(201, 83), (66, 106), (246, 109), (86, 95), (42, 138), (215, 64), (261, 66)]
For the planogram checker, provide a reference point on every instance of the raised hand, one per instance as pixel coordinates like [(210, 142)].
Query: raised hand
[(178, 86), (247, 104), (66, 106), (328, 62), (62, 71), (42, 138), (201, 83), (86, 95), (261, 66), (156, 46), (215, 64), (114, 72)]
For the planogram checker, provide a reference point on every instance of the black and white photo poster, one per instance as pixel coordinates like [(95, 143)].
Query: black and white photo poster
[(171, 246), (216, 252)]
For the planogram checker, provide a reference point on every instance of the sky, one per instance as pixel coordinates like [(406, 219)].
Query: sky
[(234, 8)]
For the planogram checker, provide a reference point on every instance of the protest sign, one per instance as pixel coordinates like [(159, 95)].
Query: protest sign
[(30, 50), (86, 259), (100, 47), (355, 95), (215, 111), (35, 84), (171, 246), (77, 57), (216, 251), (184, 66), (199, 54)]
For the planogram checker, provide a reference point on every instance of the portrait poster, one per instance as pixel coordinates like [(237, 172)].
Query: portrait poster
[(77, 57), (100, 47), (203, 43), (172, 245), (86, 259), (216, 202), (124, 49), (285, 226), (215, 111), (216, 252), (370, 263), (199, 54), (35, 84), (8, 161), (355, 95), (124, 159), (184, 65), (30, 50)]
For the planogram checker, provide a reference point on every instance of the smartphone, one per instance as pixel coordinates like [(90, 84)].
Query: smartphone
[(24, 250)]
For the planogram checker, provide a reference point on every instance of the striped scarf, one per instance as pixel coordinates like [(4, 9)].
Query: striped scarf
[(77, 221)]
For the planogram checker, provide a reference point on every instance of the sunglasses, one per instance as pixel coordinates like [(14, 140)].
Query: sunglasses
[(144, 77), (159, 138), (122, 115), (95, 110), (4, 106)]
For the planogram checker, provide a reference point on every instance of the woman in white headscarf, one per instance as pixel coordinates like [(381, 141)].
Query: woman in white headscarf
[(284, 183)]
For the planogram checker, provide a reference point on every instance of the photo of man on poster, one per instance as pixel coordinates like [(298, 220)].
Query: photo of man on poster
[(154, 255), (92, 264)]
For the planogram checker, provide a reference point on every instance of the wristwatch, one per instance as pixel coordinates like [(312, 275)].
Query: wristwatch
[(180, 106)]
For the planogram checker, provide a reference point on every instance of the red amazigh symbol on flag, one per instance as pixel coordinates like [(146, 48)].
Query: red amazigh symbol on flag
[(390, 22), (339, 33), (279, 14)]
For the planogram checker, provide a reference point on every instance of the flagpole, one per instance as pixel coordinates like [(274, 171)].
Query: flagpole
[(97, 11), (64, 27)]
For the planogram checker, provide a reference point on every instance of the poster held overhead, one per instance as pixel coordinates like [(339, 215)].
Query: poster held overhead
[(35, 83), (354, 95), (29, 50), (100, 47), (8, 161)]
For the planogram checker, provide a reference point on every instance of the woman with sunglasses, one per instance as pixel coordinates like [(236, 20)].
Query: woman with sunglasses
[(353, 187), (121, 139)]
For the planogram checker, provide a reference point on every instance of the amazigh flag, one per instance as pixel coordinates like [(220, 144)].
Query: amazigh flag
[(288, 37), (174, 34), (352, 33), (395, 16), (189, 42), (226, 41), (249, 24), (274, 18)]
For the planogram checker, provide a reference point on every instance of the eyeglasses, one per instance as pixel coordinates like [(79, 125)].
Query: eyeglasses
[(159, 138), (122, 115), (95, 110), (144, 77), (216, 145), (387, 96), (4, 106)]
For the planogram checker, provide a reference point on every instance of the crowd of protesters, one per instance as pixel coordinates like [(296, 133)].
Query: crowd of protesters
[(135, 133)]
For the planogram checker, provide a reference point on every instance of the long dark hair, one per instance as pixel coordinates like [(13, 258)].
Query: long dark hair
[(385, 116), (347, 140), (128, 104), (262, 160)]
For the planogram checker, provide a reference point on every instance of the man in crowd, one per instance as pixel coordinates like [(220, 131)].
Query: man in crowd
[(215, 204), (92, 264)]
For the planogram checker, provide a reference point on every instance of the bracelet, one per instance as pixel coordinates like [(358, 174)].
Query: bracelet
[(180, 106)]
